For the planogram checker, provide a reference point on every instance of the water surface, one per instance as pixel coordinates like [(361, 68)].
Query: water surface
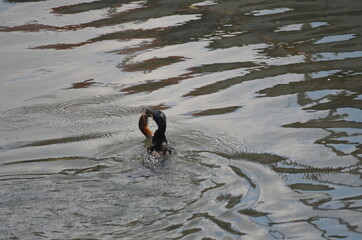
[(263, 100)]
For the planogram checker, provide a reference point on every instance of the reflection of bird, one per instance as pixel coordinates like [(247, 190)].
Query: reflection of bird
[(159, 146)]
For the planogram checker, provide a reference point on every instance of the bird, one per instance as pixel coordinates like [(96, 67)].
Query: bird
[(159, 150)]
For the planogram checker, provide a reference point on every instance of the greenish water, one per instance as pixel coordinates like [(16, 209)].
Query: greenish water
[(263, 100)]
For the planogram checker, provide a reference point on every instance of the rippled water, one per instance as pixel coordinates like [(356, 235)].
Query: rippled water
[(263, 100)]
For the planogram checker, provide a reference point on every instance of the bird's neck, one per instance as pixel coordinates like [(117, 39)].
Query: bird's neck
[(159, 134)]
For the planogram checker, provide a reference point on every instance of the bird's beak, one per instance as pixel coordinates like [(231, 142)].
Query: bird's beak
[(149, 113)]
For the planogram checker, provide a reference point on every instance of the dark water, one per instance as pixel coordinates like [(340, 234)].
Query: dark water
[(263, 100)]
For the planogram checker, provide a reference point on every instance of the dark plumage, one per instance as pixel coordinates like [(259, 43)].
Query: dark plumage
[(159, 146)]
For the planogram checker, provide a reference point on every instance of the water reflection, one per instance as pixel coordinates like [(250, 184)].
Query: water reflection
[(264, 108)]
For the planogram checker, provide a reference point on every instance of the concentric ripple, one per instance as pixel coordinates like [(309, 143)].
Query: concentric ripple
[(263, 102)]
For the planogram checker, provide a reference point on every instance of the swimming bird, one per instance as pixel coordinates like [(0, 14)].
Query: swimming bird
[(159, 148)]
